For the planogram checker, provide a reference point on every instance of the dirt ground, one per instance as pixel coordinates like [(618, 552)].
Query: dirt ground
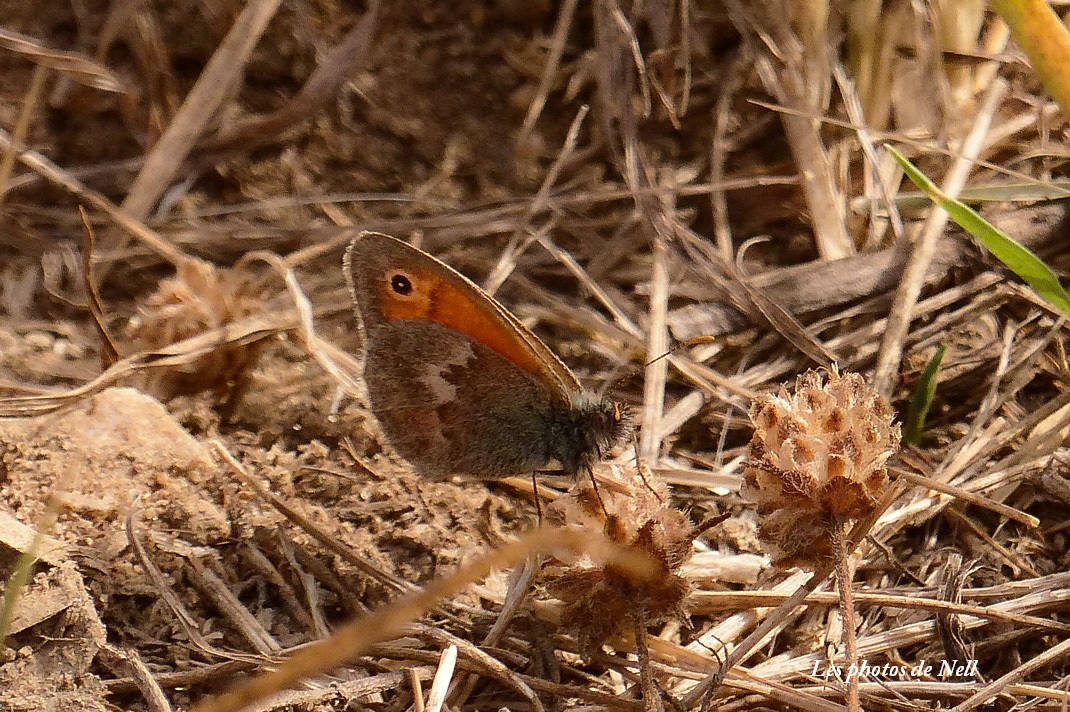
[(199, 511)]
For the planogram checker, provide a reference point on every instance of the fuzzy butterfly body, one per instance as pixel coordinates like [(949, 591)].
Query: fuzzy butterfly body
[(457, 383)]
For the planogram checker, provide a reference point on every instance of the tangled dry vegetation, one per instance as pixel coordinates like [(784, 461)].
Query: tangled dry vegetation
[(183, 447)]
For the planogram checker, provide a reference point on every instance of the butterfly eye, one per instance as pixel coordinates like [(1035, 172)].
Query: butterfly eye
[(401, 285)]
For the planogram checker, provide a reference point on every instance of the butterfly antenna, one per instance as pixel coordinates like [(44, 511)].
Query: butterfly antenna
[(686, 342)]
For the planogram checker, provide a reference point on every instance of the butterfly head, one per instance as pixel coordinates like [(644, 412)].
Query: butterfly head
[(589, 430)]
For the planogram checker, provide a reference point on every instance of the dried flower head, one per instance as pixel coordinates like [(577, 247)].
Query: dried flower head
[(603, 601), (817, 458), (199, 298)]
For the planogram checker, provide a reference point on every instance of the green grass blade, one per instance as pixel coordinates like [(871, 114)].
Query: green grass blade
[(979, 194), (1018, 258), (922, 398)]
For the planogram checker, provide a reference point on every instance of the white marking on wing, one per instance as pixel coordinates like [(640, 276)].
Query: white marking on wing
[(442, 391)]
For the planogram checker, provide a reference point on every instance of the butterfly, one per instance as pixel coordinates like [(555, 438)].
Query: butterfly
[(458, 385)]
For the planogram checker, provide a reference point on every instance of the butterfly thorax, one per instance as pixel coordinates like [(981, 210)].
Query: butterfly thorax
[(585, 429)]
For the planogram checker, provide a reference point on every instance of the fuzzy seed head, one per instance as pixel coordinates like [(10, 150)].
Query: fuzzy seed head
[(818, 456), (199, 298), (601, 602)]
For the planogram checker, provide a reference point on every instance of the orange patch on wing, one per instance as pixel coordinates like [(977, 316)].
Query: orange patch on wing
[(438, 302)]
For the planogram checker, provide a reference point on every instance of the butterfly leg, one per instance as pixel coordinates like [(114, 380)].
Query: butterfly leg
[(597, 493), (538, 500)]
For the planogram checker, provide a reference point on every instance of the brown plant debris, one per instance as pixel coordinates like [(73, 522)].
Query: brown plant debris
[(200, 297)]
